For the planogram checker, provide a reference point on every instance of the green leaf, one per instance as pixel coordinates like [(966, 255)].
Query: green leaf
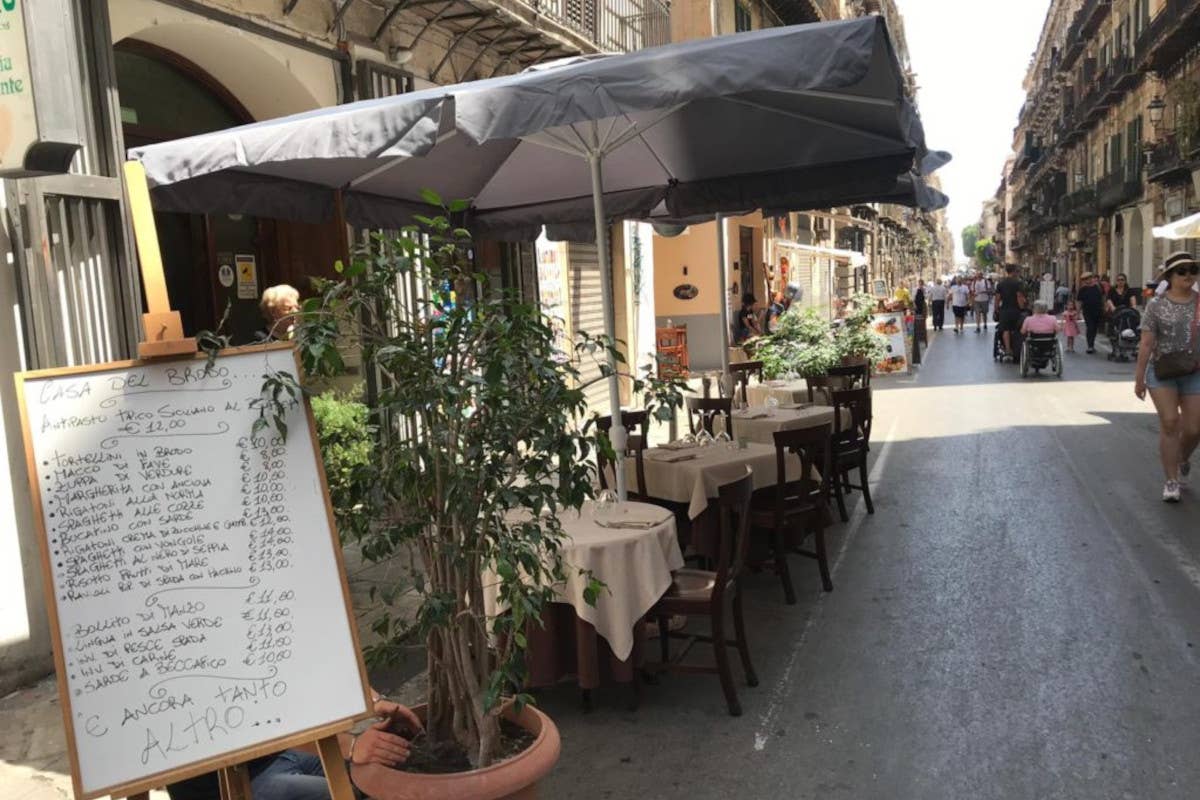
[(431, 197)]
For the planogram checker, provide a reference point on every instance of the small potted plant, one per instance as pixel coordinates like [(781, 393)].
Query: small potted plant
[(481, 445)]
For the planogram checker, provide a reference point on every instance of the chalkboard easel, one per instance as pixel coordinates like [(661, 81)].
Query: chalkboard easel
[(164, 339)]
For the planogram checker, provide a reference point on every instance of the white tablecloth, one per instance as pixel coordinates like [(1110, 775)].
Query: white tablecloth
[(634, 565), (749, 425), (697, 480), (784, 391)]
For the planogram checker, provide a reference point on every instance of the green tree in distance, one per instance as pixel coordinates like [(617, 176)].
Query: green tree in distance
[(970, 235)]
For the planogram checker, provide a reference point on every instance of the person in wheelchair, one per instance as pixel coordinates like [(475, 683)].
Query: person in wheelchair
[(1040, 335)]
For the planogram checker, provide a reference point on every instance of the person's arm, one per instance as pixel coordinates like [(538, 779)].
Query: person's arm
[(1145, 350)]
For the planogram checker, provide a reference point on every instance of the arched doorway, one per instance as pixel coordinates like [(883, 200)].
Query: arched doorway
[(166, 96)]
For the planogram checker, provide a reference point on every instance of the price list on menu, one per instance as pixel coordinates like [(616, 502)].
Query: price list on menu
[(197, 588)]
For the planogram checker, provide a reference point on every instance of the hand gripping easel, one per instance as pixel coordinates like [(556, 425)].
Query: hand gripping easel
[(164, 339)]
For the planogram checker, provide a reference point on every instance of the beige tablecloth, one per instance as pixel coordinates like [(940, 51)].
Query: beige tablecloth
[(752, 426), (635, 566), (696, 480)]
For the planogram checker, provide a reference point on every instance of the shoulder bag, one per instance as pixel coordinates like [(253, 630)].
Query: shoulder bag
[(1182, 362)]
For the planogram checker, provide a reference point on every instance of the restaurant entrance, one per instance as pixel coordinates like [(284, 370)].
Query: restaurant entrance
[(214, 263)]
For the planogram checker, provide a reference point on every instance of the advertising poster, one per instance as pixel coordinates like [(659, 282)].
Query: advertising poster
[(891, 327)]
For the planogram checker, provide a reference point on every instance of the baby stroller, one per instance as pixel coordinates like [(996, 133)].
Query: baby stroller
[(1040, 351), (1123, 334)]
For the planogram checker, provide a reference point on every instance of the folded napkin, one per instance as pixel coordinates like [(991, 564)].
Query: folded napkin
[(795, 406), (757, 413), (669, 457), (680, 445), (634, 518)]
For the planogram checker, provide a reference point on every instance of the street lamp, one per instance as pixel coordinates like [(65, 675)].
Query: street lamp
[(1156, 109)]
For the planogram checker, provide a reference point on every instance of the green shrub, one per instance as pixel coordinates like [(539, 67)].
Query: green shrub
[(348, 448), (802, 343), (856, 338)]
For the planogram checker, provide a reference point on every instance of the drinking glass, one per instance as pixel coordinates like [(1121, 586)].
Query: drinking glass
[(723, 441), (606, 505), (704, 438)]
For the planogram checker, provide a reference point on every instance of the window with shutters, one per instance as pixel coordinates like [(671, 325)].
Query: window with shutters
[(1133, 150), (741, 18)]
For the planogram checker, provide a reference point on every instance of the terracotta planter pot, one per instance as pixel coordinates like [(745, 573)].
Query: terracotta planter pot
[(514, 779)]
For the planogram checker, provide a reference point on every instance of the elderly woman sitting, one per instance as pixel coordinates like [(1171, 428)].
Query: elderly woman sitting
[(1041, 321)]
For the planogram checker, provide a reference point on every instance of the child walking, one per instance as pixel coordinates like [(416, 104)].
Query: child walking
[(1071, 324)]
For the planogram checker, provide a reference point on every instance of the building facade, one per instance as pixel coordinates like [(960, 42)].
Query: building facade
[(1104, 148)]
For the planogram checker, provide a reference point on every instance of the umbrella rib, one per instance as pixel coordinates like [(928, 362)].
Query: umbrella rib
[(385, 166), (554, 142), (817, 120)]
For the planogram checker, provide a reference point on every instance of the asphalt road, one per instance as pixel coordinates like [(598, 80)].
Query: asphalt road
[(1017, 619)]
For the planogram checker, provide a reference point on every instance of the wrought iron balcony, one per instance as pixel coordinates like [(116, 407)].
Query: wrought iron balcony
[(1118, 188), (1169, 36), (1171, 162), (1079, 205), (1074, 46), (1092, 16)]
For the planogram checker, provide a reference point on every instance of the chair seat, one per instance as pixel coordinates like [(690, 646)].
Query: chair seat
[(692, 584), (798, 500)]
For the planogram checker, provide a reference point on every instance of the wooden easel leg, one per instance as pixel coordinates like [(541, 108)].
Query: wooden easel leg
[(334, 765), (235, 782)]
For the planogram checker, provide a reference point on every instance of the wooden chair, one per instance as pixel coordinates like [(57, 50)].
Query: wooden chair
[(741, 374), (635, 447), (857, 376), (823, 383), (790, 510), (850, 444), (714, 594), (702, 411)]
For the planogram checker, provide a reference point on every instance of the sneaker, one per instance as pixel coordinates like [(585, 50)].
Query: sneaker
[(1171, 492), (1091, 349)]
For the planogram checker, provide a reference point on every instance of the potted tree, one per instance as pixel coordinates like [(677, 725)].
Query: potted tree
[(855, 340), (481, 447), (802, 343)]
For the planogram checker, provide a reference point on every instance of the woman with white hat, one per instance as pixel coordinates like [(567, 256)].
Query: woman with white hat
[(1167, 366)]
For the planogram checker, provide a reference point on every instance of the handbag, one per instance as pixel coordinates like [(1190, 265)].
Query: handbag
[(1183, 362)]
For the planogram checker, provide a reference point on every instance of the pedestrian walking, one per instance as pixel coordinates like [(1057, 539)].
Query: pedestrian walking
[(1091, 304), (1071, 324), (1121, 295), (919, 301), (960, 300), (1167, 368), (982, 292), (937, 298), (1010, 297), (1061, 295)]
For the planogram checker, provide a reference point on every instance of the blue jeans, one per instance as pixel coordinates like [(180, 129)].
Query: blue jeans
[(291, 775), (1185, 385)]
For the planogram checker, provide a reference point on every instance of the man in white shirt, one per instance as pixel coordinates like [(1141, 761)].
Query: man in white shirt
[(960, 300), (937, 298), (982, 291)]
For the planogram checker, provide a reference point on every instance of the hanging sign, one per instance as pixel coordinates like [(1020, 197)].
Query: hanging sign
[(247, 277), (225, 275), (38, 130)]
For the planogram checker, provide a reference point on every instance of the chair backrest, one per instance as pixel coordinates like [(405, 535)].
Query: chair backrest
[(857, 403), (635, 423), (857, 376), (741, 374), (813, 447), (733, 507), (704, 409), (823, 383)]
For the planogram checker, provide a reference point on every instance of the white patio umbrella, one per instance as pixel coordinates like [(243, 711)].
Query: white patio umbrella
[(700, 127), (1186, 228)]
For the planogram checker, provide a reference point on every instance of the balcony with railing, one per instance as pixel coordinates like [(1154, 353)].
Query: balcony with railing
[(612, 26), (1079, 205), (1169, 36), (1172, 160), (1092, 16), (1074, 46), (1122, 186)]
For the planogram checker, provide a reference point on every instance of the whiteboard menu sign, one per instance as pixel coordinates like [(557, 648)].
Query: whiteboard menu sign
[(199, 599)]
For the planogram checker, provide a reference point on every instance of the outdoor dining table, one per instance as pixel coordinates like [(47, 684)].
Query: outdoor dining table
[(760, 424), (784, 391), (632, 549)]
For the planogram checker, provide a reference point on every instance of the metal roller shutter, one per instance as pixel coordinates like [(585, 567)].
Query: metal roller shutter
[(587, 315)]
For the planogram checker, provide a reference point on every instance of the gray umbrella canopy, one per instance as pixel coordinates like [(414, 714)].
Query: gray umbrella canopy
[(704, 126), (700, 127)]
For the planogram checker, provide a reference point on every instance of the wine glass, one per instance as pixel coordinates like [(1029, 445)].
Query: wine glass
[(738, 404), (704, 438), (772, 404), (605, 506), (724, 441)]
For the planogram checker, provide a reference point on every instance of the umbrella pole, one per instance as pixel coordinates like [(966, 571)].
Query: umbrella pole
[(617, 432), (723, 272)]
